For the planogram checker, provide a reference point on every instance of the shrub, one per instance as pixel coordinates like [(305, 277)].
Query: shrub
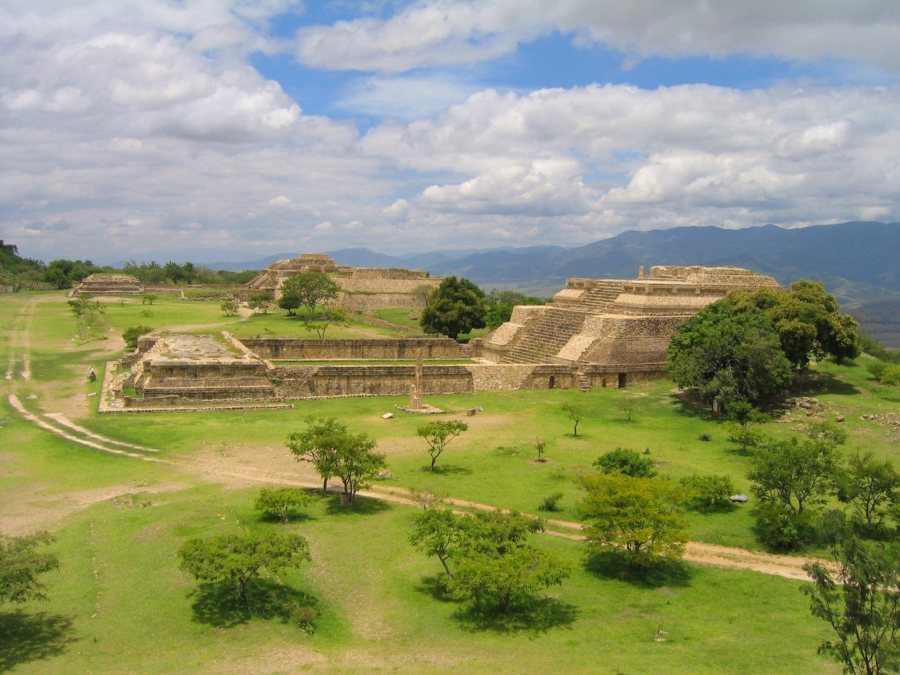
[(708, 493), (782, 529), (281, 503), (625, 461), (706, 438), (551, 502), (132, 334)]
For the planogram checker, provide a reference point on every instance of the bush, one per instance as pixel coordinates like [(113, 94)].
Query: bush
[(708, 493), (281, 503), (551, 502), (782, 529), (132, 334), (625, 461), (706, 438)]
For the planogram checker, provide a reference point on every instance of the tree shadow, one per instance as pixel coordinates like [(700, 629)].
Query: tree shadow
[(32, 637), (360, 505), (217, 604), (536, 616), (818, 383), (294, 517), (614, 565), (689, 404), (435, 587), (448, 470)]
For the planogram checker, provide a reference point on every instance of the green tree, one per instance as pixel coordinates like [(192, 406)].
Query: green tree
[(21, 563), (241, 557), (575, 412), (708, 493), (330, 316), (281, 503), (641, 518), (729, 355), (625, 461), (440, 533), (500, 305), (229, 308), (861, 602), (260, 301), (456, 306), (871, 487), (439, 434), (309, 290), (132, 333), (335, 452)]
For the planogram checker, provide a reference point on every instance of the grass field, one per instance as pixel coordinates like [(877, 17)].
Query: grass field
[(120, 604)]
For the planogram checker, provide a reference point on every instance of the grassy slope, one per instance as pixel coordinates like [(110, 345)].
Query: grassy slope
[(119, 581)]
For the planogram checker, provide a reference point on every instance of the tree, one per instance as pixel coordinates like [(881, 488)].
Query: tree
[(794, 472), (330, 316), (132, 333), (872, 487), (861, 602), (641, 518), (21, 562), (260, 301), (456, 306), (625, 461), (281, 503), (439, 434), (807, 319), (229, 308), (729, 355), (497, 569), (310, 290), (440, 533), (241, 557), (575, 411), (334, 451)]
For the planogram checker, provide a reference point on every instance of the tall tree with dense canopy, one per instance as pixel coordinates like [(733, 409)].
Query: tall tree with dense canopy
[(309, 290), (21, 562), (241, 557), (456, 306), (729, 355)]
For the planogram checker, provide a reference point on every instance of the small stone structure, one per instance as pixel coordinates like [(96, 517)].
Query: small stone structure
[(614, 331), (362, 289), (109, 284)]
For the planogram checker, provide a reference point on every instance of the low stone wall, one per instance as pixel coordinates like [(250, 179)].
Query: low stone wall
[(368, 302), (327, 350)]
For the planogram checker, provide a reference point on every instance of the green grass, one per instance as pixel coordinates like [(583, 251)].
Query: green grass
[(119, 582)]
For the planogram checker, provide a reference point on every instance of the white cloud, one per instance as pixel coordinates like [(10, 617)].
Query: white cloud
[(438, 33), (279, 202)]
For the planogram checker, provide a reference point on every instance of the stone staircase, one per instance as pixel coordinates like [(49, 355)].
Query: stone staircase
[(600, 298), (583, 380), (546, 336)]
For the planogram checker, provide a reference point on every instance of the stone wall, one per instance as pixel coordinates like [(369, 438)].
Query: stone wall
[(368, 302), (327, 350)]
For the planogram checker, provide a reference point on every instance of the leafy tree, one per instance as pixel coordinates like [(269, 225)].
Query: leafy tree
[(241, 557), (310, 290), (456, 306), (742, 432), (229, 308), (861, 602), (439, 434), (440, 533), (708, 493), (794, 472), (336, 316), (872, 487), (575, 412), (497, 568), (807, 319), (334, 451), (21, 562), (639, 517), (500, 305), (261, 301), (281, 503), (729, 355), (625, 461), (132, 333)]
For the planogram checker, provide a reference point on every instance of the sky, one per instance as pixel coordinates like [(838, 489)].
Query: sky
[(229, 130)]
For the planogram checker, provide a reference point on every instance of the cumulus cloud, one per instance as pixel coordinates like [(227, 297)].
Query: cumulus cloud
[(462, 31)]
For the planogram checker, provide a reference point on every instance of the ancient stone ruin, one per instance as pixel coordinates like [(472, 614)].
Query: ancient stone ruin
[(109, 284), (595, 333), (362, 289), (613, 331)]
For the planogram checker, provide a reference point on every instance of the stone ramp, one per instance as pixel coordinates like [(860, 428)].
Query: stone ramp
[(542, 339)]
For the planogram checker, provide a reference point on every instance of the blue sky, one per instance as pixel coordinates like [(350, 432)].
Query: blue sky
[(234, 129)]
